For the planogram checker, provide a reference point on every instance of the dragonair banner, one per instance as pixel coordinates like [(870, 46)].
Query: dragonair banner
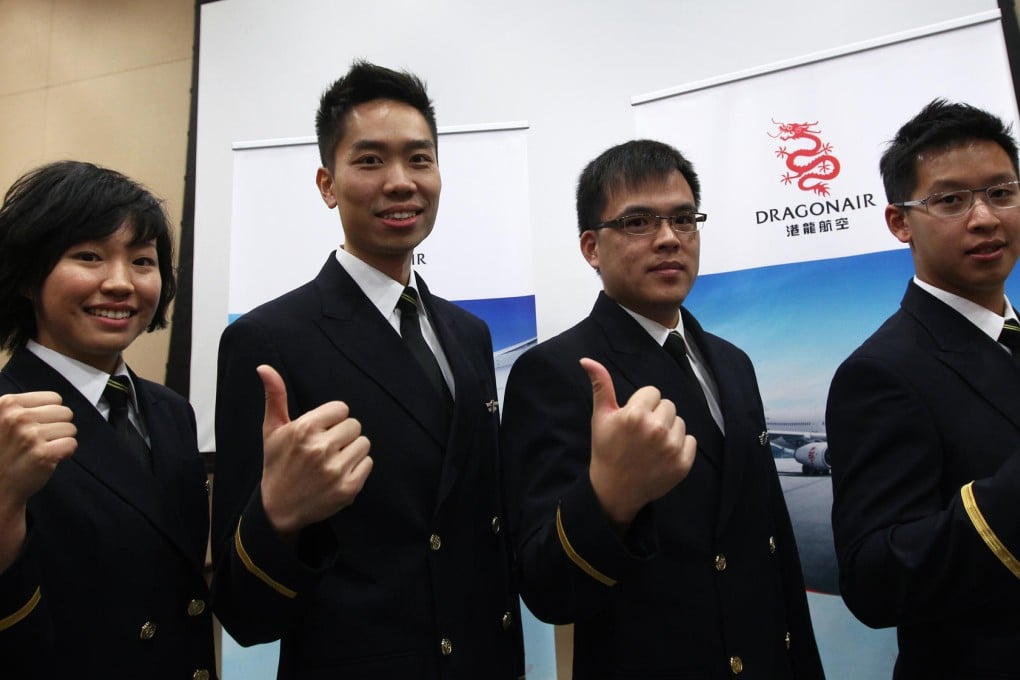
[(788, 153), (797, 265)]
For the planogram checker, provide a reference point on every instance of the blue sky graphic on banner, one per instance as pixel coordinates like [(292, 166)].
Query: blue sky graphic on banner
[(512, 324), (798, 322), (511, 320)]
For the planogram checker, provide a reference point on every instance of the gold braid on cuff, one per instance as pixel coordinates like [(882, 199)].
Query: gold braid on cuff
[(577, 559), (259, 574), (985, 531)]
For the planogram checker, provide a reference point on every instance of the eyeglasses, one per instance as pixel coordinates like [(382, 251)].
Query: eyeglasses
[(643, 224), (947, 204)]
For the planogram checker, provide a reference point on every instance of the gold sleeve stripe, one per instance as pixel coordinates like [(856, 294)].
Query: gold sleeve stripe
[(986, 533), (261, 575), (9, 621), (577, 559)]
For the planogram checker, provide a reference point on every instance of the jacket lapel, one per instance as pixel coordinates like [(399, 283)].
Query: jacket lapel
[(972, 355), (736, 448), (470, 408), (359, 332), (170, 444)]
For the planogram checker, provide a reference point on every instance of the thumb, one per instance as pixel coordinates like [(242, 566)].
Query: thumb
[(276, 399), (603, 392)]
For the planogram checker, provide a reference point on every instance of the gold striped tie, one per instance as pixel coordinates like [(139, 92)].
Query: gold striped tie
[(410, 331), (118, 393), (1010, 337)]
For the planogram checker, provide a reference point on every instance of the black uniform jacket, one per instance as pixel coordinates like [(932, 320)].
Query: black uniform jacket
[(110, 582), (707, 580), (413, 579), (924, 437)]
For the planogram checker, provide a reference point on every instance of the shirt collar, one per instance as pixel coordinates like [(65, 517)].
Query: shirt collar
[(987, 321), (381, 290), (655, 329), (88, 380)]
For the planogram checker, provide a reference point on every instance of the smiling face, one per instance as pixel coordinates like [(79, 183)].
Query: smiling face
[(385, 183), (973, 254), (652, 274), (98, 298)]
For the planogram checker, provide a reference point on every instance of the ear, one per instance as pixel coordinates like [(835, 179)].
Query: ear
[(896, 221), (590, 248), (324, 181)]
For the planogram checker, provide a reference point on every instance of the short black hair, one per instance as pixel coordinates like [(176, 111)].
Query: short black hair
[(626, 166), (939, 125), (366, 82), (57, 206)]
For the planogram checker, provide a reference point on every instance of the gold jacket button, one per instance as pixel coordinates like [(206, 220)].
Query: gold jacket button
[(148, 631), (772, 544), (507, 620), (787, 639), (435, 542), (736, 665), (446, 647), (496, 524), (720, 562), (196, 607), (200, 674)]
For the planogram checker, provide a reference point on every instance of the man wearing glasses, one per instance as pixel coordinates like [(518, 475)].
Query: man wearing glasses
[(643, 497), (923, 419)]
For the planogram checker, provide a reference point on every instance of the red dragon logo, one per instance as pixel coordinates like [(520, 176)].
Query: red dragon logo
[(810, 167)]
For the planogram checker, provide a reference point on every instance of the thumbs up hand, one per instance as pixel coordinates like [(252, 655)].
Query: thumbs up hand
[(313, 466), (639, 451)]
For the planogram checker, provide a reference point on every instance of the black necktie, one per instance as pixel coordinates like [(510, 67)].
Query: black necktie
[(410, 331), (677, 349), (1010, 337), (117, 393), (695, 412)]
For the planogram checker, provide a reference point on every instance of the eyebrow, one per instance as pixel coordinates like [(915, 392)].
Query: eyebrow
[(644, 209), (377, 145), (944, 185)]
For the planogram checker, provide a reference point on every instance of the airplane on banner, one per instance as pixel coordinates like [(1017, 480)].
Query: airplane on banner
[(801, 438)]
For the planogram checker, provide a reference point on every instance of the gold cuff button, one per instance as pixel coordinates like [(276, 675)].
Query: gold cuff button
[(435, 542), (196, 607), (496, 525), (200, 674), (148, 631), (446, 647), (720, 562), (507, 620), (736, 665), (788, 640)]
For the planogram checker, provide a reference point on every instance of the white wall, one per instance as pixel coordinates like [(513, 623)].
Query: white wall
[(568, 68)]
